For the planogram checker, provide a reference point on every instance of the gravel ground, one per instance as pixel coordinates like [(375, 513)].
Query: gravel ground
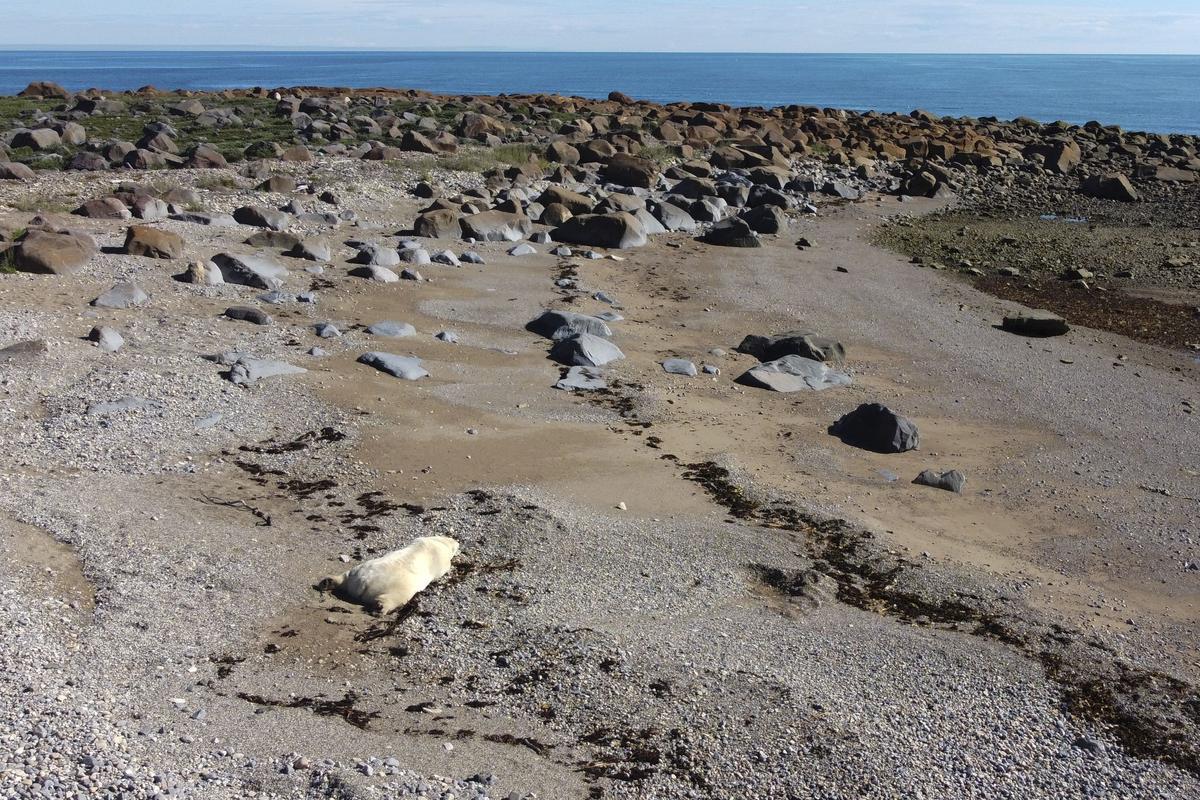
[(164, 638)]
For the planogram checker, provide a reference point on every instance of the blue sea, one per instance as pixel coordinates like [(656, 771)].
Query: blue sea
[(1150, 93)]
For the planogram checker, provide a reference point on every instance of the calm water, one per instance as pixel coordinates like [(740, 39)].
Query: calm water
[(1156, 93)]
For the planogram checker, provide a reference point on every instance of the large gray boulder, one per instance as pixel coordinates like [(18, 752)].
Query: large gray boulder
[(628, 170), (257, 271), (1114, 186), (558, 325), (767, 219), (575, 202), (585, 350), (142, 240), (373, 273), (440, 223), (793, 374), (405, 367), (37, 139), (15, 171), (619, 231), (311, 250), (793, 343), (54, 252), (375, 255), (260, 217), (732, 232), (107, 339), (496, 226), (672, 217)]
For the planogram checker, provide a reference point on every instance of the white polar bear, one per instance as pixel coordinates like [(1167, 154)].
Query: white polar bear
[(390, 581)]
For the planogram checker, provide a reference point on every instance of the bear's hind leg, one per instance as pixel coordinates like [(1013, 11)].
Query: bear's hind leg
[(392, 600)]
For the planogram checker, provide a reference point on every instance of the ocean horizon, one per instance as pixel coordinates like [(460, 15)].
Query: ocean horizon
[(1138, 92)]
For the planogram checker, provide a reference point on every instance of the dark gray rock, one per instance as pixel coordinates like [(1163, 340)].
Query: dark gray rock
[(620, 230), (731, 233), (311, 250), (1036, 323), (951, 481), (255, 316), (260, 217), (873, 426), (793, 343), (564, 324)]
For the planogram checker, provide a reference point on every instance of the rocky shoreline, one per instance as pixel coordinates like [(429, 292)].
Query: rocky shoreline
[(649, 367)]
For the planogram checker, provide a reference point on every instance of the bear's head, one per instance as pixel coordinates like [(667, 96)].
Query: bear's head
[(451, 544)]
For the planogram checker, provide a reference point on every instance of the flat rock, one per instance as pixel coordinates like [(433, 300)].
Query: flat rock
[(793, 374), (123, 295), (276, 240), (680, 366), (405, 367), (257, 271), (246, 371), (211, 220), (1035, 322), (393, 329), (255, 316), (582, 379), (128, 403)]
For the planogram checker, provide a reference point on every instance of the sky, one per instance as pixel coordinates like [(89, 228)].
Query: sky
[(781, 26)]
